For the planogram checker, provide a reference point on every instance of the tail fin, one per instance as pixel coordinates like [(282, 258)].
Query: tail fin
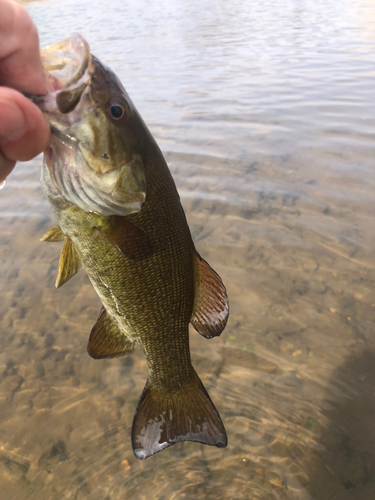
[(164, 418)]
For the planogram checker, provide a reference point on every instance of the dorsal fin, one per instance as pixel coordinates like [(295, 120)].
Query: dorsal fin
[(106, 340), (211, 308), (70, 263), (128, 238), (54, 234)]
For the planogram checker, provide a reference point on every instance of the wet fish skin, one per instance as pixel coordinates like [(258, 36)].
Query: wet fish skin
[(151, 281)]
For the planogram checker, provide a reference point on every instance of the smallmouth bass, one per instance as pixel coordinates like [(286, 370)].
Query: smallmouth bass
[(120, 218)]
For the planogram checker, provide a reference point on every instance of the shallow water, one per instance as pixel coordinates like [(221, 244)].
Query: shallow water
[(265, 113)]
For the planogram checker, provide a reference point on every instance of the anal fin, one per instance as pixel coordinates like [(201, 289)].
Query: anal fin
[(211, 307), (70, 263), (106, 340), (54, 234)]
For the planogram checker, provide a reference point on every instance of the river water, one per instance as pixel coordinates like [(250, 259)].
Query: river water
[(265, 112)]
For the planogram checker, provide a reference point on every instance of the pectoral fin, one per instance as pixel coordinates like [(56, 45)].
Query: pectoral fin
[(70, 263), (106, 340), (211, 308), (54, 234), (129, 239)]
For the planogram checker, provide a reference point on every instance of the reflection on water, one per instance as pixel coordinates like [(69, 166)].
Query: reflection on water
[(265, 112)]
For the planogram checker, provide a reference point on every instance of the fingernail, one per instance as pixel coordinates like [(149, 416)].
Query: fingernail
[(13, 125), (15, 134)]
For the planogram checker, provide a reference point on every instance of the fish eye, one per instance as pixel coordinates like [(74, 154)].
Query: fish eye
[(117, 111)]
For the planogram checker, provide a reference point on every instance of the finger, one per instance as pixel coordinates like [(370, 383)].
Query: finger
[(24, 131), (20, 63), (6, 166)]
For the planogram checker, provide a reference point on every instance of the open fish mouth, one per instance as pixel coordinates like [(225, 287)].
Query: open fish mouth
[(66, 62), (79, 165)]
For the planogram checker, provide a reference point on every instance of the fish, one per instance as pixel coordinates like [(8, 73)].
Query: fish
[(120, 219)]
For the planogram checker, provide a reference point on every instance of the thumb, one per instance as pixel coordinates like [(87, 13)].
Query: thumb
[(24, 131)]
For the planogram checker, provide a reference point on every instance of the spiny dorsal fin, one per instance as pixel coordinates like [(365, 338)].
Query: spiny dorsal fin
[(70, 263), (54, 234), (211, 308), (128, 238), (106, 339)]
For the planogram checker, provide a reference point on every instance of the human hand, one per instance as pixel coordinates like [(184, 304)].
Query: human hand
[(24, 131)]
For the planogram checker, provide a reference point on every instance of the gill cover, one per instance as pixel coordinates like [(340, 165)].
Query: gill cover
[(94, 158)]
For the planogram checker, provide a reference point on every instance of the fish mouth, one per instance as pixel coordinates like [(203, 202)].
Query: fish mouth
[(66, 62), (69, 67)]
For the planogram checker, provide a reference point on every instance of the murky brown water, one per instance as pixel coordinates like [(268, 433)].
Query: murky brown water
[(265, 111)]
